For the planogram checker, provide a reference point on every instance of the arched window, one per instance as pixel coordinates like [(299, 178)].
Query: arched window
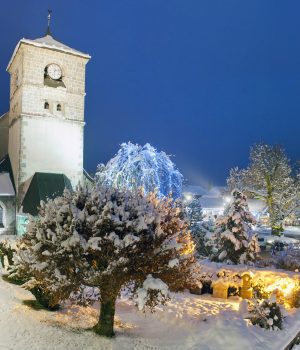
[(1, 216), (58, 107), (46, 105)]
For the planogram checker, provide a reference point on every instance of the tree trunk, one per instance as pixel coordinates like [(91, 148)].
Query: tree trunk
[(105, 325), (276, 228)]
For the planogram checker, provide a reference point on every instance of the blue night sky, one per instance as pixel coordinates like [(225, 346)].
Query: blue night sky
[(201, 80)]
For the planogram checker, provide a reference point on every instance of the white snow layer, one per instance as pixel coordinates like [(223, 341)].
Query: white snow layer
[(189, 322)]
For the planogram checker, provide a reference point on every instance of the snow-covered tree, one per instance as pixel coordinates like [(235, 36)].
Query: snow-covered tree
[(266, 314), (136, 166), (269, 177), (199, 229), (234, 241), (109, 239)]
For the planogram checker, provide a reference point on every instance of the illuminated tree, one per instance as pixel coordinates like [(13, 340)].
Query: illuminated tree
[(234, 241), (136, 166), (108, 239), (269, 178)]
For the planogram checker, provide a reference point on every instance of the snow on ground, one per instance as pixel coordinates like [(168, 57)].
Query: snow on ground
[(189, 322), (290, 235), (292, 231)]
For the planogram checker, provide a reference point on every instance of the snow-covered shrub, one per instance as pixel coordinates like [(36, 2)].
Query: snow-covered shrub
[(108, 239), (152, 291), (277, 246), (293, 299), (288, 259), (194, 279), (6, 254), (234, 241), (8, 246), (136, 166), (266, 314)]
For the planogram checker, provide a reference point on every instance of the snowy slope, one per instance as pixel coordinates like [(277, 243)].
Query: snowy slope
[(189, 322)]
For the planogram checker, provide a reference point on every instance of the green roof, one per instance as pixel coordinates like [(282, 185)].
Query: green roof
[(5, 167), (44, 186)]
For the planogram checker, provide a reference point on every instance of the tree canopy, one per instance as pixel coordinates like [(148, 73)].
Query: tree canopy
[(136, 166), (108, 239), (269, 177)]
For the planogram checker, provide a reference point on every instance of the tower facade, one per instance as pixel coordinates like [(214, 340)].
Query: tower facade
[(46, 116)]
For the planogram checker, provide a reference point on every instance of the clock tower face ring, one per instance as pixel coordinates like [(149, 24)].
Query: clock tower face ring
[(54, 71)]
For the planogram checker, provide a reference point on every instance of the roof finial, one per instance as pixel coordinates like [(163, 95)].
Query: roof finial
[(49, 20)]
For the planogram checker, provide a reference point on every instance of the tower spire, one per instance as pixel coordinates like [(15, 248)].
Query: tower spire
[(48, 32)]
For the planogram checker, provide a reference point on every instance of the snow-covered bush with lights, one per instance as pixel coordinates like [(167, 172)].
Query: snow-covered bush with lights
[(107, 238), (234, 241), (199, 230), (293, 298), (136, 166), (260, 291), (266, 314)]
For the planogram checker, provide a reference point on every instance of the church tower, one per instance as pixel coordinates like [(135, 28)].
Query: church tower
[(46, 116)]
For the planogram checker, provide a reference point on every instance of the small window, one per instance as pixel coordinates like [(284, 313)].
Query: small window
[(46, 105), (58, 107), (1, 217)]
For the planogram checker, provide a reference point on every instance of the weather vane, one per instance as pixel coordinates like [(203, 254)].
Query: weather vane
[(49, 20)]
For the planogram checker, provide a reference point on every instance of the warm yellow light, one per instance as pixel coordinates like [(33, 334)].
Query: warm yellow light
[(283, 287), (188, 245), (189, 248)]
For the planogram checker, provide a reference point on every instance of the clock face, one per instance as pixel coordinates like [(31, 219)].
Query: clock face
[(54, 71)]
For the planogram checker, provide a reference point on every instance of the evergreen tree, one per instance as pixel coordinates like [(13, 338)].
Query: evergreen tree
[(109, 239), (136, 166), (198, 228), (234, 241)]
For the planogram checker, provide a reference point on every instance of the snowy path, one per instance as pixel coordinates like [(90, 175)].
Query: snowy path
[(189, 322)]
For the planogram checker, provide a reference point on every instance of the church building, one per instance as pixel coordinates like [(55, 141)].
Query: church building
[(41, 137)]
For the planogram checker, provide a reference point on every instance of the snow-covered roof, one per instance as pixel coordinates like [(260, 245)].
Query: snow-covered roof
[(191, 189), (215, 191), (6, 187), (5, 115), (212, 202), (48, 42), (256, 205)]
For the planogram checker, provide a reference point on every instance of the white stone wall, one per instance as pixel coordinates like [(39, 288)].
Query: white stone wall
[(51, 144), (4, 122), (35, 59)]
